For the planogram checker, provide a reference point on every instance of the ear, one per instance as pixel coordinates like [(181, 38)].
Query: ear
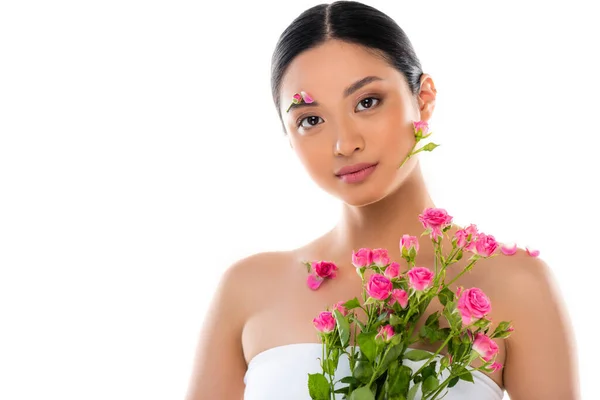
[(427, 95)]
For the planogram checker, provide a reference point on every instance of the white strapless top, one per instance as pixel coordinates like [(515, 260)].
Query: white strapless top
[(281, 373)]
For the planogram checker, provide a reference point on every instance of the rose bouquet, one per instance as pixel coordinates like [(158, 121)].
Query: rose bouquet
[(393, 300)]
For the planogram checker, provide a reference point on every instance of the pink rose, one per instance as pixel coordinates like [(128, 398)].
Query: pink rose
[(485, 346), (421, 128), (325, 322), (496, 366), (379, 287), (407, 242), (392, 271), (399, 296), (462, 235), (340, 307), (509, 250), (362, 258), (473, 304), (385, 333), (419, 278), (484, 245), (325, 269), (435, 219), (314, 281), (380, 257)]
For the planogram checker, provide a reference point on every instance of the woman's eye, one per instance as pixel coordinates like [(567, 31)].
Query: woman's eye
[(367, 103), (309, 122)]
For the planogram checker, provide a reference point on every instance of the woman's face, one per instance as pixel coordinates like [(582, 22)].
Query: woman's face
[(362, 114)]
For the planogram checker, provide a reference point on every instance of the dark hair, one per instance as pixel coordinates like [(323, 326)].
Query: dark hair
[(352, 22)]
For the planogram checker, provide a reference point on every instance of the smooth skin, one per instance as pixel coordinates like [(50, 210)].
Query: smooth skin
[(262, 301)]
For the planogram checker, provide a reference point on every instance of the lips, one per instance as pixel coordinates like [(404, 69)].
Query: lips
[(350, 169)]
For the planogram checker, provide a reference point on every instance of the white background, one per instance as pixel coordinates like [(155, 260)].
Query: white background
[(140, 155)]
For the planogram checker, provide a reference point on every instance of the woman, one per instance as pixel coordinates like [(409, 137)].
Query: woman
[(359, 88)]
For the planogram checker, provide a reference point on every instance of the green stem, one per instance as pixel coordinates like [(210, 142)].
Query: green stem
[(433, 355), (440, 388), (410, 154), (467, 268), (376, 370)]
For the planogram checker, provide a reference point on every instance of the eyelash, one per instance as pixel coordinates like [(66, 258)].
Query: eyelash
[(378, 99)]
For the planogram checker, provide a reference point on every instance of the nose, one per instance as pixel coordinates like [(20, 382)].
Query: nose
[(348, 142)]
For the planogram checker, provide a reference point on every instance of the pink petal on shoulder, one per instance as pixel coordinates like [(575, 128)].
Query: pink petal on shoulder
[(314, 281), (532, 253), (307, 98), (509, 250)]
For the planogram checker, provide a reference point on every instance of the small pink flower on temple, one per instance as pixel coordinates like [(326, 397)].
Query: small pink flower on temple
[(298, 98), (307, 99)]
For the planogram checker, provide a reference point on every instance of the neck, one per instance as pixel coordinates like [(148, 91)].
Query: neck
[(382, 224)]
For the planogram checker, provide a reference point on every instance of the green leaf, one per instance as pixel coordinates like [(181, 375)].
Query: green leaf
[(318, 387), (417, 355), (429, 370), (433, 319), (413, 391), (466, 376), (363, 371), (343, 390), (366, 342), (363, 393), (430, 146), (395, 320), (446, 296), (399, 381), (350, 304), (349, 380), (453, 381), (430, 384), (343, 327), (391, 356)]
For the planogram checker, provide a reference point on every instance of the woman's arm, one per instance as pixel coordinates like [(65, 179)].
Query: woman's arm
[(219, 364), (541, 360)]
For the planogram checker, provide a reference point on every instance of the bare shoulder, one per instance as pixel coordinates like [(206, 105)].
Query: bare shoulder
[(233, 301), (541, 361)]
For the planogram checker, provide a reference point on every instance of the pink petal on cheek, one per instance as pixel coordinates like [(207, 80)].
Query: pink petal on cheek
[(313, 282), (508, 249), (532, 253)]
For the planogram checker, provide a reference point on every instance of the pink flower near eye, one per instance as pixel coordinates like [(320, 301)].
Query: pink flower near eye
[(509, 250), (435, 219), (325, 322), (399, 296), (485, 346), (306, 97), (325, 269), (407, 242), (362, 258), (472, 305), (379, 287), (297, 98), (392, 271), (532, 253), (421, 128), (419, 278), (340, 307), (484, 245), (496, 366), (381, 257), (314, 281), (385, 333)]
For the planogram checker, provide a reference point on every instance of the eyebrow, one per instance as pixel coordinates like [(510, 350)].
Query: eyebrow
[(347, 92)]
